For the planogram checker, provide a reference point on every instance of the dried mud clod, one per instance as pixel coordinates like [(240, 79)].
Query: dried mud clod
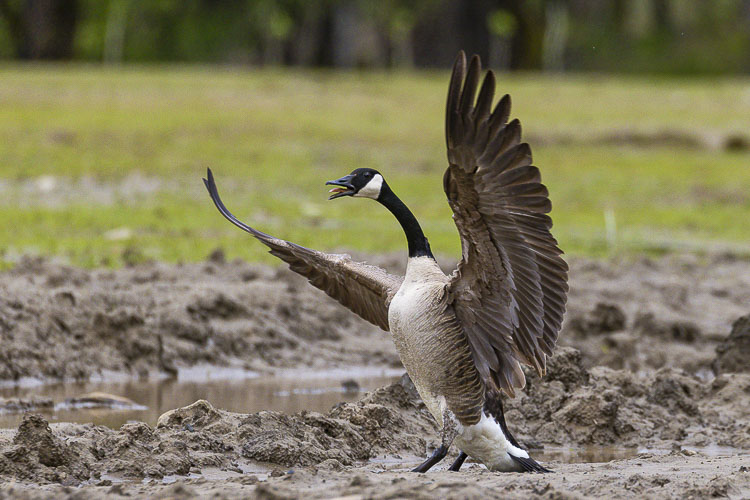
[(37, 454), (602, 406), (733, 354), (681, 331), (604, 318)]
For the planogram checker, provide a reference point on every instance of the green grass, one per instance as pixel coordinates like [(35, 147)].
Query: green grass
[(125, 150)]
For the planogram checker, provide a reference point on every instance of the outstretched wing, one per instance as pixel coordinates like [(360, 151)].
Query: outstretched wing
[(510, 287), (366, 290)]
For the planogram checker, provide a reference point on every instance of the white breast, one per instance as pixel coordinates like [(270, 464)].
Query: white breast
[(417, 298), (412, 316)]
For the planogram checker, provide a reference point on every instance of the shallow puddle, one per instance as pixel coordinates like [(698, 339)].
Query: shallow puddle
[(246, 392), (586, 454), (232, 390)]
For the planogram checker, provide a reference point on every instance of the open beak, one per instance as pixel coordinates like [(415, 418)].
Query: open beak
[(345, 187)]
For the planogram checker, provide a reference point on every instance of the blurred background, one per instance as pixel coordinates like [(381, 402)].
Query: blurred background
[(658, 36), (638, 113)]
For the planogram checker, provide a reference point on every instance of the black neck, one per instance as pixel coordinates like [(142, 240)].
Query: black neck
[(418, 244)]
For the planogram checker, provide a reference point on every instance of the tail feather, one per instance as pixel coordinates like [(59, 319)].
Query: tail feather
[(529, 464), (493, 407)]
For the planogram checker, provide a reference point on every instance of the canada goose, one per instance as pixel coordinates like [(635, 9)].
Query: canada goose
[(462, 338)]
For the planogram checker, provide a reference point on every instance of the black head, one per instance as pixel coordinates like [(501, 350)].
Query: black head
[(364, 182)]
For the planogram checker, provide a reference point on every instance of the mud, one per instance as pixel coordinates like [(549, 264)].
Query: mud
[(366, 448), (733, 353), (646, 314), (18, 405), (58, 322), (651, 357), (386, 422)]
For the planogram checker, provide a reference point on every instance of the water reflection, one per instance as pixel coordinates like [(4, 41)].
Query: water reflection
[(586, 454), (289, 393)]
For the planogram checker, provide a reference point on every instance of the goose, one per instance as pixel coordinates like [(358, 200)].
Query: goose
[(461, 337)]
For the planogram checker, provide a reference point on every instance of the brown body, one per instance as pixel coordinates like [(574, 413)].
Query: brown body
[(432, 344)]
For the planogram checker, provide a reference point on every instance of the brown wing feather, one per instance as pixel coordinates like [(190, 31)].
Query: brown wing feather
[(510, 287), (366, 290)]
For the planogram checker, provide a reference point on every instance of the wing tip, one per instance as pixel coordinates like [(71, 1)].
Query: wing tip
[(490, 77), (460, 59), (213, 191), (475, 61)]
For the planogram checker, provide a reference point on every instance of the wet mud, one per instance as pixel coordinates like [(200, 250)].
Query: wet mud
[(650, 359), (366, 448)]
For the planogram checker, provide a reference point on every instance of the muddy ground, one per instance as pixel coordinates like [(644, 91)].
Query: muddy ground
[(60, 322), (653, 355)]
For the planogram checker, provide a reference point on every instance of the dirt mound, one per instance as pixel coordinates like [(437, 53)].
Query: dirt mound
[(36, 454), (646, 314), (733, 354), (602, 406), (60, 322), (604, 318), (388, 421)]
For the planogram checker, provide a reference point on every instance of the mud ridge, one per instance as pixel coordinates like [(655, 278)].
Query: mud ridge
[(668, 410), (58, 322)]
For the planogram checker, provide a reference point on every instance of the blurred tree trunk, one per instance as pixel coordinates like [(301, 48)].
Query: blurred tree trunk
[(114, 32), (555, 35), (42, 29), (324, 55), (619, 16), (452, 25), (662, 16), (745, 16), (300, 48), (462, 24), (528, 41)]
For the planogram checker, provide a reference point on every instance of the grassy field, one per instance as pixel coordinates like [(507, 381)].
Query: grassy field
[(103, 166)]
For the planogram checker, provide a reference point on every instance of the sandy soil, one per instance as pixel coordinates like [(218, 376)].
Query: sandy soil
[(653, 355), (669, 476)]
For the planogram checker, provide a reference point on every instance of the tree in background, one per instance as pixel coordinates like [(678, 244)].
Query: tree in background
[(40, 29), (677, 36)]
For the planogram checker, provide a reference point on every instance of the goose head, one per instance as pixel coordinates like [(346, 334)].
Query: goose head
[(363, 182)]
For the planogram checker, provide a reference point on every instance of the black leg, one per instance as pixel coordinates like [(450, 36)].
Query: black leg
[(459, 462), (437, 456)]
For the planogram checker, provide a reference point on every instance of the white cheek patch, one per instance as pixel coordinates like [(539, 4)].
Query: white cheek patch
[(372, 188)]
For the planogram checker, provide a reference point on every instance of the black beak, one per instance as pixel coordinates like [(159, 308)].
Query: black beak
[(345, 183)]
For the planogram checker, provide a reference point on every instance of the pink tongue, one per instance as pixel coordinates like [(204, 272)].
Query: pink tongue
[(337, 190)]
